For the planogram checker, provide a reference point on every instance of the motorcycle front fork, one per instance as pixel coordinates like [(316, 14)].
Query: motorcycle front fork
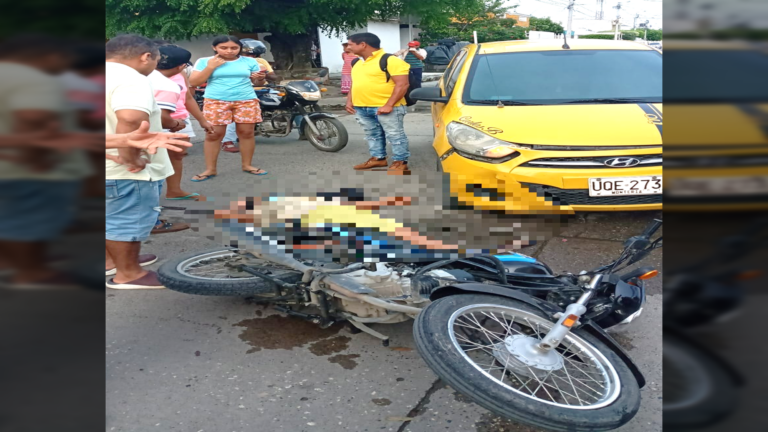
[(569, 318), (312, 126)]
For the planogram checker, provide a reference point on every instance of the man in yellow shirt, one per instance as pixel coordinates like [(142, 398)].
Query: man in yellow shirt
[(377, 99)]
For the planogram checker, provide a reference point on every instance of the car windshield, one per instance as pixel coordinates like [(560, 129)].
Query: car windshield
[(716, 76), (566, 76)]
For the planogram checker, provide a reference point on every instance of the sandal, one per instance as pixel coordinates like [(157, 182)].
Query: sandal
[(193, 196), (257, 171), (202, 177), (169, 227), (230, 147)]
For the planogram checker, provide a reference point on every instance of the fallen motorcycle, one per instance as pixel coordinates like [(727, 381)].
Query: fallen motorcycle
[(282, 106), (504, 330)]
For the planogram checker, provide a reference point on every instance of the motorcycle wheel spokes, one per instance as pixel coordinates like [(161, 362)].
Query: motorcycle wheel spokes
[(328, 130), (582, 379), (215, 265)]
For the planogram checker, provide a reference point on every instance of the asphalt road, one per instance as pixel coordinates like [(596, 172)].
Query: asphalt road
[(177, 362)]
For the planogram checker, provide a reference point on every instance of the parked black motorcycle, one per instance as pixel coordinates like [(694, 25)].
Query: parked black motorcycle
[(503, 330), (281, 106)]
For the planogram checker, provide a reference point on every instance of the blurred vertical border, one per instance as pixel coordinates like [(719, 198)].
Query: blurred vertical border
[(52, 340), (716, 214)]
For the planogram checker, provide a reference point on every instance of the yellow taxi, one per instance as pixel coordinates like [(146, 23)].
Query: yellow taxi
[(535, 127), (717, 150)]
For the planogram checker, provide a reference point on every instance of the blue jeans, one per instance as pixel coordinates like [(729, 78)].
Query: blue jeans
[(132, 208), (380, 129)]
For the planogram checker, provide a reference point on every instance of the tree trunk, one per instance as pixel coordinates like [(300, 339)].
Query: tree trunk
[(291, 52)]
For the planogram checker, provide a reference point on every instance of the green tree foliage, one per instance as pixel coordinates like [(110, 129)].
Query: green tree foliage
[(468, 16), (597, 36), (545, 25)]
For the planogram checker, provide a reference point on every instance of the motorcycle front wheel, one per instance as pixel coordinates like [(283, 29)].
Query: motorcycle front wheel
[(477, 345), (334, 133)]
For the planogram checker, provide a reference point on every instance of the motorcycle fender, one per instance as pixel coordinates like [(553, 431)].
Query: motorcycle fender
[(547, 308), (597, 332), (319, 115)]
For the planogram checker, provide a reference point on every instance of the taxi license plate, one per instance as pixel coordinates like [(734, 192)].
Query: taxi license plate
[(614, 186)]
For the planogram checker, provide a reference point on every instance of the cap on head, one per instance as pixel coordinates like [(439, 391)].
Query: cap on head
[(414, 44), (172, 56)]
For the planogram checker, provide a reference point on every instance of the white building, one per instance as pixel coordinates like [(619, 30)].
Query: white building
[(394, 35)]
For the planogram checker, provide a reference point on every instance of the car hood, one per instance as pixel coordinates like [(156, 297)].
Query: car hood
[(718, 124), (573, 125)]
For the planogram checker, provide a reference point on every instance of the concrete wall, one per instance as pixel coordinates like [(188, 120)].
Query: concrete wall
[(405, 38), (388, 32), (331, 49)]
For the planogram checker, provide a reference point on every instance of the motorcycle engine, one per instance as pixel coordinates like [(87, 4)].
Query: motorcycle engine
[(387, 282)]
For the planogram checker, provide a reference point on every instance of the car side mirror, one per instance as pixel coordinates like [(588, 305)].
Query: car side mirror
[(429, 94)]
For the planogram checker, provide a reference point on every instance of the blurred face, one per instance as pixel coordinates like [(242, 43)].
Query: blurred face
[(227, 50), (357, 49)]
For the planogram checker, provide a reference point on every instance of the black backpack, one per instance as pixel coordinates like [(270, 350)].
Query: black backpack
[(412, 83)]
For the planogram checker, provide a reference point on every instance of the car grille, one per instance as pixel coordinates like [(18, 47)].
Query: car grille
[(592, 162), (581, 196)]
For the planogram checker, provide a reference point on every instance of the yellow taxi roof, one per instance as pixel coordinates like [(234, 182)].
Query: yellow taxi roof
[(557, 44)]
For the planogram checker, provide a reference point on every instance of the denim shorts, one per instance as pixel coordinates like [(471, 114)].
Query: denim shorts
[(132, 208), (37, 210)]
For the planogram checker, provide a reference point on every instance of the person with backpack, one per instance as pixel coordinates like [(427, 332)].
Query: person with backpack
[(380, 83), (414, 56)]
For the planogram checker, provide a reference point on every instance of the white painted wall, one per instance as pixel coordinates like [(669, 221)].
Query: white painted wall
[(540, 35), (388, 32), (331, 49)]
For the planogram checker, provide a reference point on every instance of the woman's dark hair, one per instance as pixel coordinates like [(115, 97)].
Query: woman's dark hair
[(369, 38), (227, 38)]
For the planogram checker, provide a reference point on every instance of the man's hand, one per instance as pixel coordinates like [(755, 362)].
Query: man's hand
[(133, 159), (350, 108), (151, 141), (207, 127), (386, 109), (215, 62)]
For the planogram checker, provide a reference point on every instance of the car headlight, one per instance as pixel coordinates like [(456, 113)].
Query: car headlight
[(470, 140), (310, 96)]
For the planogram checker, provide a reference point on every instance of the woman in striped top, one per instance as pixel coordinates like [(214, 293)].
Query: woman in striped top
[(346, 70)]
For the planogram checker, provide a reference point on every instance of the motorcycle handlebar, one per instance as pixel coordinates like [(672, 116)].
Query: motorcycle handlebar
[(651, 229)]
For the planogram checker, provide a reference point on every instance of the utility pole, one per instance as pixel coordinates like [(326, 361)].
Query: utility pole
[(599, 12), (571, 4), (617, 21), (634, 21)]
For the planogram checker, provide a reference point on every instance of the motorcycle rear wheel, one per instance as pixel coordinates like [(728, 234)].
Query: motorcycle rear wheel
[(212, 273), (336, 134), (559, 399)]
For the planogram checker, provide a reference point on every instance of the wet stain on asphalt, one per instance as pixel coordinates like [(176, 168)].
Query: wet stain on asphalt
[(623, 340), (347, 361), (280, 332), (492, 423), (259, 313), (382, 402), (330, 346), (458, 397)]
